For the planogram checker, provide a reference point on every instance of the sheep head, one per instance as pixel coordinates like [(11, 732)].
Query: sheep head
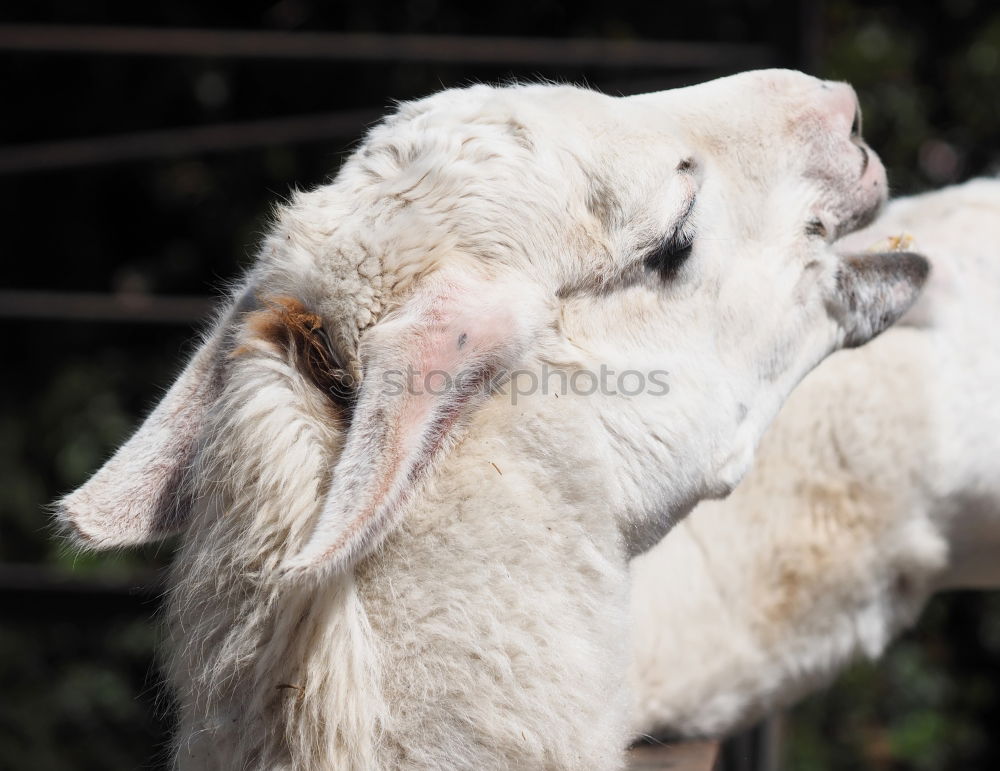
[(485, 230)]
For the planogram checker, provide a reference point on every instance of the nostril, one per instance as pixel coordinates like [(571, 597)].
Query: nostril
[(856, 125)]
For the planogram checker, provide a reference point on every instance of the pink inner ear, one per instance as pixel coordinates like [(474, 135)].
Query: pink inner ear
[(425, 370), (454, 344)]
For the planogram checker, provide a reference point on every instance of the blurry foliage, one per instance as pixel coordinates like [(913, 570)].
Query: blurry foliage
[(80, 695), (930, 704), (927, 75), (80, 692)]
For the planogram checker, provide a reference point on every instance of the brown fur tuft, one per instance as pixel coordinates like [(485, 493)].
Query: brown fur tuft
[(286, 324)]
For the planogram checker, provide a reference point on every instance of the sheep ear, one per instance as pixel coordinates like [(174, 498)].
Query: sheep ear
[(874, 290), (135, 496), (138, 495), (425, 368)]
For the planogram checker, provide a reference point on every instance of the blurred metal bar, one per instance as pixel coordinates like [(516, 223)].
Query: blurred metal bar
[(68, 153), (86, 306), (335, 46), (741, 752), (673, 756), (772, 743), (757, 748), (43, 593)]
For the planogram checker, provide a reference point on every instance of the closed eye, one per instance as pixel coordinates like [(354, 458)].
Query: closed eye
[(667, 256)]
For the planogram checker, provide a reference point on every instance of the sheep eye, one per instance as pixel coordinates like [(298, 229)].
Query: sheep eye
[(667, 257)]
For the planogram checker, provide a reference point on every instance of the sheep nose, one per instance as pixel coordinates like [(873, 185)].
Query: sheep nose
[(841, 103)]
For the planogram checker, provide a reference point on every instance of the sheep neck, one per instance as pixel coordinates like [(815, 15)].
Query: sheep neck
[(497, 655), (488, 627)]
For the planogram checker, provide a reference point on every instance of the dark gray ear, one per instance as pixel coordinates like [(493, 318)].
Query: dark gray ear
[(874, 290)]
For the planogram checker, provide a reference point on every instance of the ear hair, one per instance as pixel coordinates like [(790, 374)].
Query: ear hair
[(287, 325)]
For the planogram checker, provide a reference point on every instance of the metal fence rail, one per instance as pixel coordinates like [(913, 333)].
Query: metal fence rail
[(125, 307), (337, 46), (181, 142)]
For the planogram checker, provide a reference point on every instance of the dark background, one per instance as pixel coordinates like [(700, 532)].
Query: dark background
[(126, 215)]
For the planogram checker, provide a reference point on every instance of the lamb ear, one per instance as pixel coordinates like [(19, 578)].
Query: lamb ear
[(425, 368), (874, 289), (137, 495)]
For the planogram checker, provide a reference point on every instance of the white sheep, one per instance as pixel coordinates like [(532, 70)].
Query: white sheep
[(876, 486), (390, 556)]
